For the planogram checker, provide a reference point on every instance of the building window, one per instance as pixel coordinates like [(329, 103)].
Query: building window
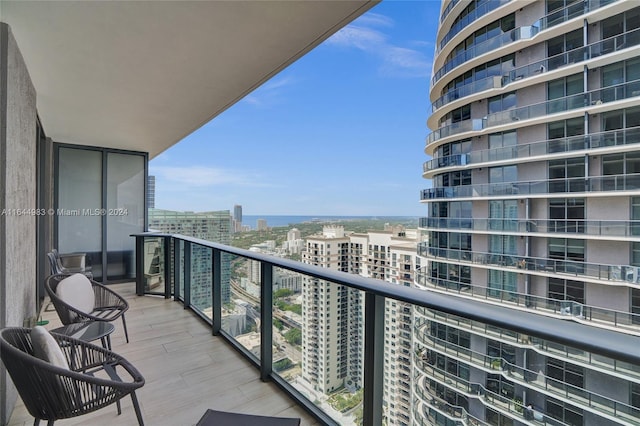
[(452, 335), (553, 5), (503, 174), (566, 215), (560, 93), (569, 250), (503, 139), (567, 175), (621, 119), (503, 215), (462, 177), (560, 289), (635, 305), (496, 67), (497, 419), (454, 148), (561, 44), (621, 164), (635, 395), (502, 284), (490, 31), (621, 23), (564, 412), (502, 350), (503, 102), (460, 114), (560, 135)]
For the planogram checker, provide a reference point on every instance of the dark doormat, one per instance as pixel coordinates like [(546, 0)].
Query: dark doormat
[(223, 418)]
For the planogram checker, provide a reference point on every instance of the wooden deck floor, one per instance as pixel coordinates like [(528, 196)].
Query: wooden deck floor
[(186, 369)]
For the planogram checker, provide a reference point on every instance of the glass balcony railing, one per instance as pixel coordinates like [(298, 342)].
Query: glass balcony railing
[(320, 333), (570, 310), (481, 10), (531, 379), (553, 146), (611, 228), (613, 184), (544, 347), (512, 406), (521, 33), (435, 407), (567, 268), (580, 54), (574, 10), (447, 9), (581, 100)]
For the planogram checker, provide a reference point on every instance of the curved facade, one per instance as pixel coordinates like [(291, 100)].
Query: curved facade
[(535, 203)]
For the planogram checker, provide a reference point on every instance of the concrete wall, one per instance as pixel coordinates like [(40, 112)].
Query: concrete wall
[(17, 191)]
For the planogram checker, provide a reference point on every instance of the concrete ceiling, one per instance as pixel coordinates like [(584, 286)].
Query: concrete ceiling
[(142, 75)]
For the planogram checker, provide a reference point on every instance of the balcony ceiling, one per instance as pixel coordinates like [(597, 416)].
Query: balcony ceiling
[(143, 75)]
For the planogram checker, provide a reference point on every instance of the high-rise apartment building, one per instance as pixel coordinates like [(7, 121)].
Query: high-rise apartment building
[(261, 225), (211, 226), (237, 218), (535, 203), (388, 255), (151, 192), (329, 358)]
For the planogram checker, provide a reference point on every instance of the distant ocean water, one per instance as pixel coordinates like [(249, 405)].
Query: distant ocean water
[(274, 221)]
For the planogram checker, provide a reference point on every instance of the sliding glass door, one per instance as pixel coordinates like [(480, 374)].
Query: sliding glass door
[(100, 202)]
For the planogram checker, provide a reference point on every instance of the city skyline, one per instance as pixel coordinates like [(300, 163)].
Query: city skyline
[(339, 132)]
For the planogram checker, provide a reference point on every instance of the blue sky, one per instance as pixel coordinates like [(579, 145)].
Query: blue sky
[(339, 132)]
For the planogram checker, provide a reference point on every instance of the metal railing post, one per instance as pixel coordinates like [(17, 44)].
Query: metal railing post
[(266, 320), (216, 291), (187, 274), (167, 266), (177, 269), (373, 359), (139, 265)]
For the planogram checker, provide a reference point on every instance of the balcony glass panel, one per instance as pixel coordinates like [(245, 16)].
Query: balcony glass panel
[(80, 190), (480, 10), (568, 268), (567, 309), (200, 284), (241, 311), (447, 371), (125, 212), (580, 54), (613, 228), (154, 265), (522, 33)]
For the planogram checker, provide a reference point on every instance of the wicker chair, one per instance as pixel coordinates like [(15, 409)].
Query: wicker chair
[(108, 305), (75, 263), (51, 393)]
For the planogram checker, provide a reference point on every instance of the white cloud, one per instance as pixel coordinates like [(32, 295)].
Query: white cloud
[(270, 92), (396, 60), (199, 177)]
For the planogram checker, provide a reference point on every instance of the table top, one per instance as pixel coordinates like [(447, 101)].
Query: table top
[(86, 331)]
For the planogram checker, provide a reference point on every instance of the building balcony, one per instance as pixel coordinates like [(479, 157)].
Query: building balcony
[(612, 185), (603, 229), (494, 43), (536, 68), (607, 365), (625, 322), (532, 380), (238, 369), (481, 10), (558, 148), (626, 275), (187, 370), (525, 115)]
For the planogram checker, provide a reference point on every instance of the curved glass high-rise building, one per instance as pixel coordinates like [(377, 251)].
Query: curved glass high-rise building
[(535, 204)]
